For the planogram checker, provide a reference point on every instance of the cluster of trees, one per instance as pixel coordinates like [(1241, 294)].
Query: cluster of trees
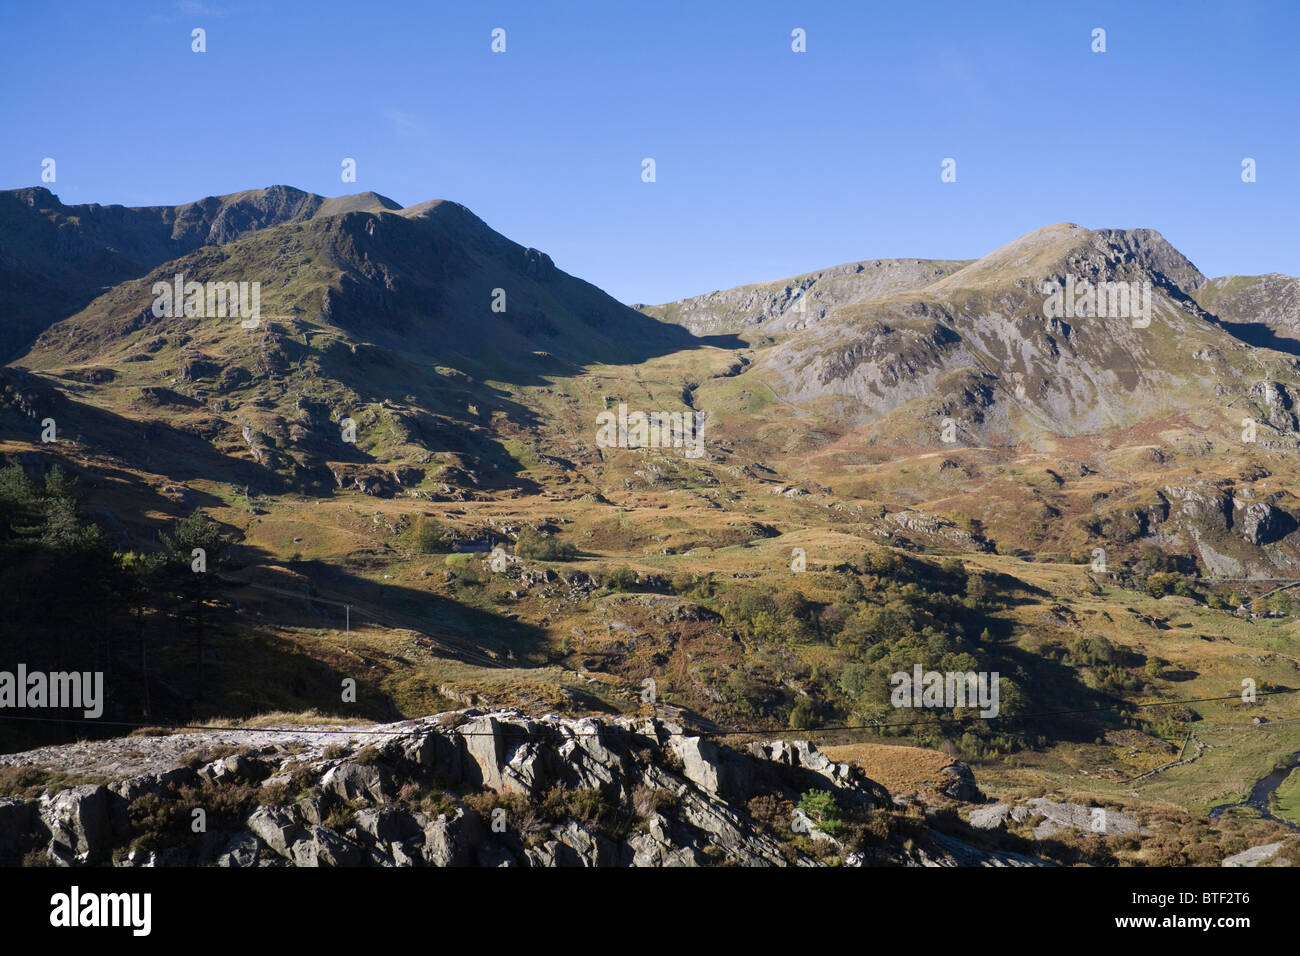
[(1168, 582), (884, 599), (425, 535), (70, 600), (893, 613), (534, 545), (1106, 667)]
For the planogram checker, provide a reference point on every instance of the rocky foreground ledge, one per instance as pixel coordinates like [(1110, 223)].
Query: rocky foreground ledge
[(464, 788)]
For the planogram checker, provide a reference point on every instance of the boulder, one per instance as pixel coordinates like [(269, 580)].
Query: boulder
[(1061, 816), (699, 762), (960, 784), (324, 847), (241, 851), (278, 828), (450, 840), (351, 780), (387, 825), (78, 821), (990, 817), (1254, 856)]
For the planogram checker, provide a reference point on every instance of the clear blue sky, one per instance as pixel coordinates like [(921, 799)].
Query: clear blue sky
[(769, 163)]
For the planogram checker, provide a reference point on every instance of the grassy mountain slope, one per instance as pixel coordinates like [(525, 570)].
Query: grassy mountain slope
[(389, 319), (55, 258)]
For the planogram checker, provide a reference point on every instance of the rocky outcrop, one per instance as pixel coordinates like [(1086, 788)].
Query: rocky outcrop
[(1227, 527), (1275, 405), (990, 817), (1261, 522), (78, 822), (1208, 508), (954, 852), (1253, 856), (1073, 816), (959, 784), (803, 300), (1052, 817), (466, 788)]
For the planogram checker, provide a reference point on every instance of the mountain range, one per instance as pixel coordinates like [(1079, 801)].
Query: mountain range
[(905, 461)]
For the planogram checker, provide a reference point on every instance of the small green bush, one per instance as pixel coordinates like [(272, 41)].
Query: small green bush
[(821, 807), (425, 535), (536, 546)]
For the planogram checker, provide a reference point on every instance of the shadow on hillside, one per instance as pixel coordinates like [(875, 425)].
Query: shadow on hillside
[(1260, 336), (173, 667), (1062, 706), (165, 450), (1007, 586), (456, 629)]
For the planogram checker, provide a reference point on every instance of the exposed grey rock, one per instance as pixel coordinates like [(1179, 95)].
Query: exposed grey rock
[(1207, 506), (699, 761), (990, 817), (277, 828), (450, 841), (958, 853), (797, 303), (388, 825), (656, 847), (324, 847), (1276, 404), (227, 769), (960, 784), (1262, 523), (1062, 816), (241, 851), (571, 845), (154, 783), (693, 796), (484, 749), (918, 523), (351, 780), (401, 855), (1253, 856), (79, 825)]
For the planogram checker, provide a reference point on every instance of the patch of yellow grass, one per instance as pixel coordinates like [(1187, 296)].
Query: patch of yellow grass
[(901, 770)]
